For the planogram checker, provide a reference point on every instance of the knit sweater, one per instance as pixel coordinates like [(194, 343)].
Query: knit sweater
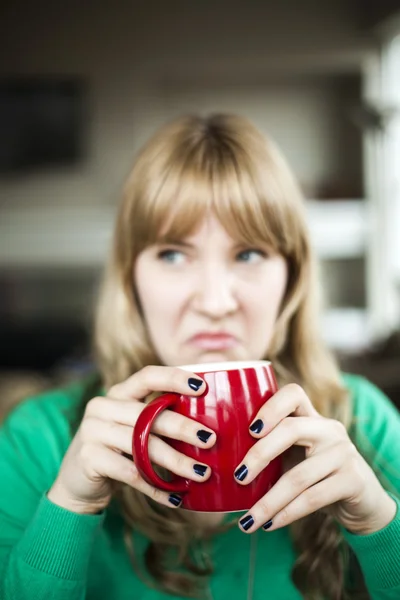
[(47, 552)]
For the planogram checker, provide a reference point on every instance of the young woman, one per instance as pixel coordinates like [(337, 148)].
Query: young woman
[(211, 261)]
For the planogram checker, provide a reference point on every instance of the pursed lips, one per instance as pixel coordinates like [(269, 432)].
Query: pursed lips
[(213, 340)]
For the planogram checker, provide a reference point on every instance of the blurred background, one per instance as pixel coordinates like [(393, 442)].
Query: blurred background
[(83, 85)]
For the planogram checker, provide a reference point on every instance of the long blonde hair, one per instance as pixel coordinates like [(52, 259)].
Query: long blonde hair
[(220, 163)]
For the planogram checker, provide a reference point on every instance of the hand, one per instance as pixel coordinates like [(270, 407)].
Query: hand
[(101, 451), (333, 474)]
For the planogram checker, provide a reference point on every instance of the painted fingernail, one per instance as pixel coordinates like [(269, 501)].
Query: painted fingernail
[(257, 426), (199, 469), (195, 384), (246, 522), (241, 472), (267, 525), (175, 499), (204, 435)]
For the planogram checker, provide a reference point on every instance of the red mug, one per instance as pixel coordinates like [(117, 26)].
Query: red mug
[(235, 392)]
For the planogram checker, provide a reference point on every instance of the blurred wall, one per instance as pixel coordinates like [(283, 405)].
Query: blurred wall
[(145, 61)]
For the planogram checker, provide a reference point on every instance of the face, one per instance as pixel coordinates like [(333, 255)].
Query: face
[(209, 298)]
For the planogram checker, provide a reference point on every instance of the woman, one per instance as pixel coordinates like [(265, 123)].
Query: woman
[(211, 261)]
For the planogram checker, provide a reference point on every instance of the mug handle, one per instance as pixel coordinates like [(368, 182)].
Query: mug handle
[(140, 445)]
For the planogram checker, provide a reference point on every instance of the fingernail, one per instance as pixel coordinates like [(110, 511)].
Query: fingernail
[(257, 426), (267, 525), (175, 499), (241, 472), (199, 469), (204, 435), (195, 384), (246, 522)]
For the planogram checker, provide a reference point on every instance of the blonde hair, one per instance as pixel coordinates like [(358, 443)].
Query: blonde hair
[(191, 166)]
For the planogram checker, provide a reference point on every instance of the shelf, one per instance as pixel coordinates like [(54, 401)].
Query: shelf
[(76, 236), (346, 329), (62, 237), (80, 238), (339, 228)]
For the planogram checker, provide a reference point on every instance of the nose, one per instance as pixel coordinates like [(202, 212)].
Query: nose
[(215, 293)]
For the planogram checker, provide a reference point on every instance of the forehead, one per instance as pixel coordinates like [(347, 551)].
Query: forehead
[(210, 228)]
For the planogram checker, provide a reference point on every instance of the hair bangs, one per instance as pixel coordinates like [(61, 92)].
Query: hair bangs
[(222, 175), (174, 210), (246, 214), (183, 202)]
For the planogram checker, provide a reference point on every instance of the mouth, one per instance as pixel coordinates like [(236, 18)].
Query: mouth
[(213, 341)]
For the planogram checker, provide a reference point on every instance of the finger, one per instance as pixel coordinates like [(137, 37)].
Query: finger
[(294, 483), (108, 463), (289, 400), (168, 424), (158, 379), (119, 437), (312, 433), (323, 494), (176, 462)]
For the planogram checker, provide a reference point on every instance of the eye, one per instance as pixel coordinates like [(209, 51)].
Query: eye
[(173, 257), (251, 255)]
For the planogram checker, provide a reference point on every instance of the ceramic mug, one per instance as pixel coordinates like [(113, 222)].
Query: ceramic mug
[(235, 391)]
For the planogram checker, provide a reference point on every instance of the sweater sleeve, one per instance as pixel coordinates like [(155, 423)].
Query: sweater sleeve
[(44, 549), (376, 433)]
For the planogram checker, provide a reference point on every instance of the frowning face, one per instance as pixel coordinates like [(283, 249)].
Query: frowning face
[(209, 298)]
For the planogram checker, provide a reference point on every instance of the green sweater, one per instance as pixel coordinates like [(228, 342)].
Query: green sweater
[(48, 552)]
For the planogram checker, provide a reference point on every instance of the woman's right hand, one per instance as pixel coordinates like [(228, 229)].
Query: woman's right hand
[(101, 451)]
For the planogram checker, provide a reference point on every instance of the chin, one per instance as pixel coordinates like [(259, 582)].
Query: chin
[(221, 356)]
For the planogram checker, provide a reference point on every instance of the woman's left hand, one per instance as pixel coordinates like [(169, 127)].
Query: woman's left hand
[(333, 475)]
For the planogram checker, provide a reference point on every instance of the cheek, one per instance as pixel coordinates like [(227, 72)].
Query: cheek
[(157, 303), (277, 280), (147, 286), (161, 297), (264, 296)]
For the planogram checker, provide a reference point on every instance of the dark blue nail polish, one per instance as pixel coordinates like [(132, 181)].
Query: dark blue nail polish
[(195, 384), (199, 469), (267, 525), (175, 499), (203, 435), (241, 472), (246, 522), (257, 426)]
